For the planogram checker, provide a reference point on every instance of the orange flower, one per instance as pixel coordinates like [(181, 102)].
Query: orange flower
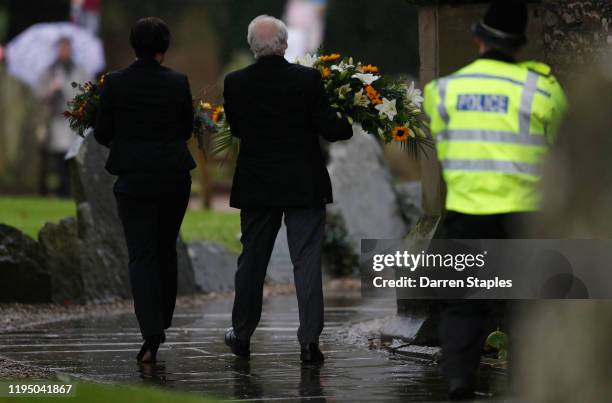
[(401, 133), (329, 58), (325, 72), (373, 95), (216, 115), (368, 69)]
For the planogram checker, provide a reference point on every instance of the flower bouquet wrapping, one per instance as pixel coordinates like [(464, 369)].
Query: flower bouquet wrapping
[(386, 107)]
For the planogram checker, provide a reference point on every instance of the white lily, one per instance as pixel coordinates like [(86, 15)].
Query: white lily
[(343, 91), (361, 99), (307, 60), (367, 79), (413, 96), (342, 66), (387, 108)]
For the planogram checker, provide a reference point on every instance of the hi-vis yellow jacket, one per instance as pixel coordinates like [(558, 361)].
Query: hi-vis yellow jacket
[(493, 123)]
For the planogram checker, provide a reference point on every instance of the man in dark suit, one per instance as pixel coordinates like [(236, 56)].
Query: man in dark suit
[(146, 117), (278, 110)]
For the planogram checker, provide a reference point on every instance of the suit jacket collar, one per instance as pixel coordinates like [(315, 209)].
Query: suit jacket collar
[(271, 59), (145, 64)]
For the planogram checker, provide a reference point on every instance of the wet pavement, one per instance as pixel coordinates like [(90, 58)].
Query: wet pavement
[(195, 359)]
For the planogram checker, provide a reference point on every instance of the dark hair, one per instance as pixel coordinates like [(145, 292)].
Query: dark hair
[(149, 36)]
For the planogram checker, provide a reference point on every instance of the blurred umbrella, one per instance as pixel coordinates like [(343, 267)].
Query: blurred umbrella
[(31, 52)]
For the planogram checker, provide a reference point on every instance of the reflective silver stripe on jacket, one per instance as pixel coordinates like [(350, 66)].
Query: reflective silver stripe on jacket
[(442, 84), (492, 136), (509, 167), (529, 91)]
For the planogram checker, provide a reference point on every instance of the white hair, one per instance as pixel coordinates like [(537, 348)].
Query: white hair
[(265, 42)]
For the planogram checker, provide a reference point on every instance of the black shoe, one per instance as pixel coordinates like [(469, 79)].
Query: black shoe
[(150, 346), (460, 389), (311, 354), (239, 347)]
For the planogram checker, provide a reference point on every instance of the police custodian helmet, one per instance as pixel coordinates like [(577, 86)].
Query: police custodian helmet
[(504, 24)]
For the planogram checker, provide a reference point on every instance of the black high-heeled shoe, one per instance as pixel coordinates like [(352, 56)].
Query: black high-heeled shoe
[(151, 345)]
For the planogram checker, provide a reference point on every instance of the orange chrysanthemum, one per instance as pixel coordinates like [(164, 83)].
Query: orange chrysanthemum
[(216, 115), (401, 133), (329, 58), (325, 72), (373, 95), (368, 69)]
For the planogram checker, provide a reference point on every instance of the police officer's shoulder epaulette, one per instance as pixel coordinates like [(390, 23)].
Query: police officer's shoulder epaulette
[(540, 68)]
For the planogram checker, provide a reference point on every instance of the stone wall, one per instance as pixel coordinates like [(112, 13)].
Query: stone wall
[(575, 34)]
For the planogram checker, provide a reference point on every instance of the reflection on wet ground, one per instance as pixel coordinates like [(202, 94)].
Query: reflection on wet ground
[(195, 359)]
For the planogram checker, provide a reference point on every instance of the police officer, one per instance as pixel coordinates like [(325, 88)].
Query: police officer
[(493, 122)]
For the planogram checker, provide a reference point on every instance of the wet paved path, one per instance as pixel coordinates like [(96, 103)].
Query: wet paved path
[(195, 359)]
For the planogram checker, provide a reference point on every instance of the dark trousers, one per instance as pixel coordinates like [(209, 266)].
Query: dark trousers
[(151, 211), (305, 234), (462, 327)]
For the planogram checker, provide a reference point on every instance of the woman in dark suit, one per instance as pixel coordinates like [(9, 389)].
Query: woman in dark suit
[(146, 118)]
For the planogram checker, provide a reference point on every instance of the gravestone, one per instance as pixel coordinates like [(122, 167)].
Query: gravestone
[(23, 277), (104, 257), (214, 267), (409, 194), (62, 249), (363, 190)]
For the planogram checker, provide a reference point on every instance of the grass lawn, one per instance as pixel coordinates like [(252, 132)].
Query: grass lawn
[(223, 227), (29, 214), (98, 393)]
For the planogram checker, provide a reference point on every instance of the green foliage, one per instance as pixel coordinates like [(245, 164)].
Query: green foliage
[(499, 341), (338, 254), (103, 393), (29, 214)]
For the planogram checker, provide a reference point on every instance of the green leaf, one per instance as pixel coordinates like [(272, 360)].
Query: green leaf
[(498, 340)]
